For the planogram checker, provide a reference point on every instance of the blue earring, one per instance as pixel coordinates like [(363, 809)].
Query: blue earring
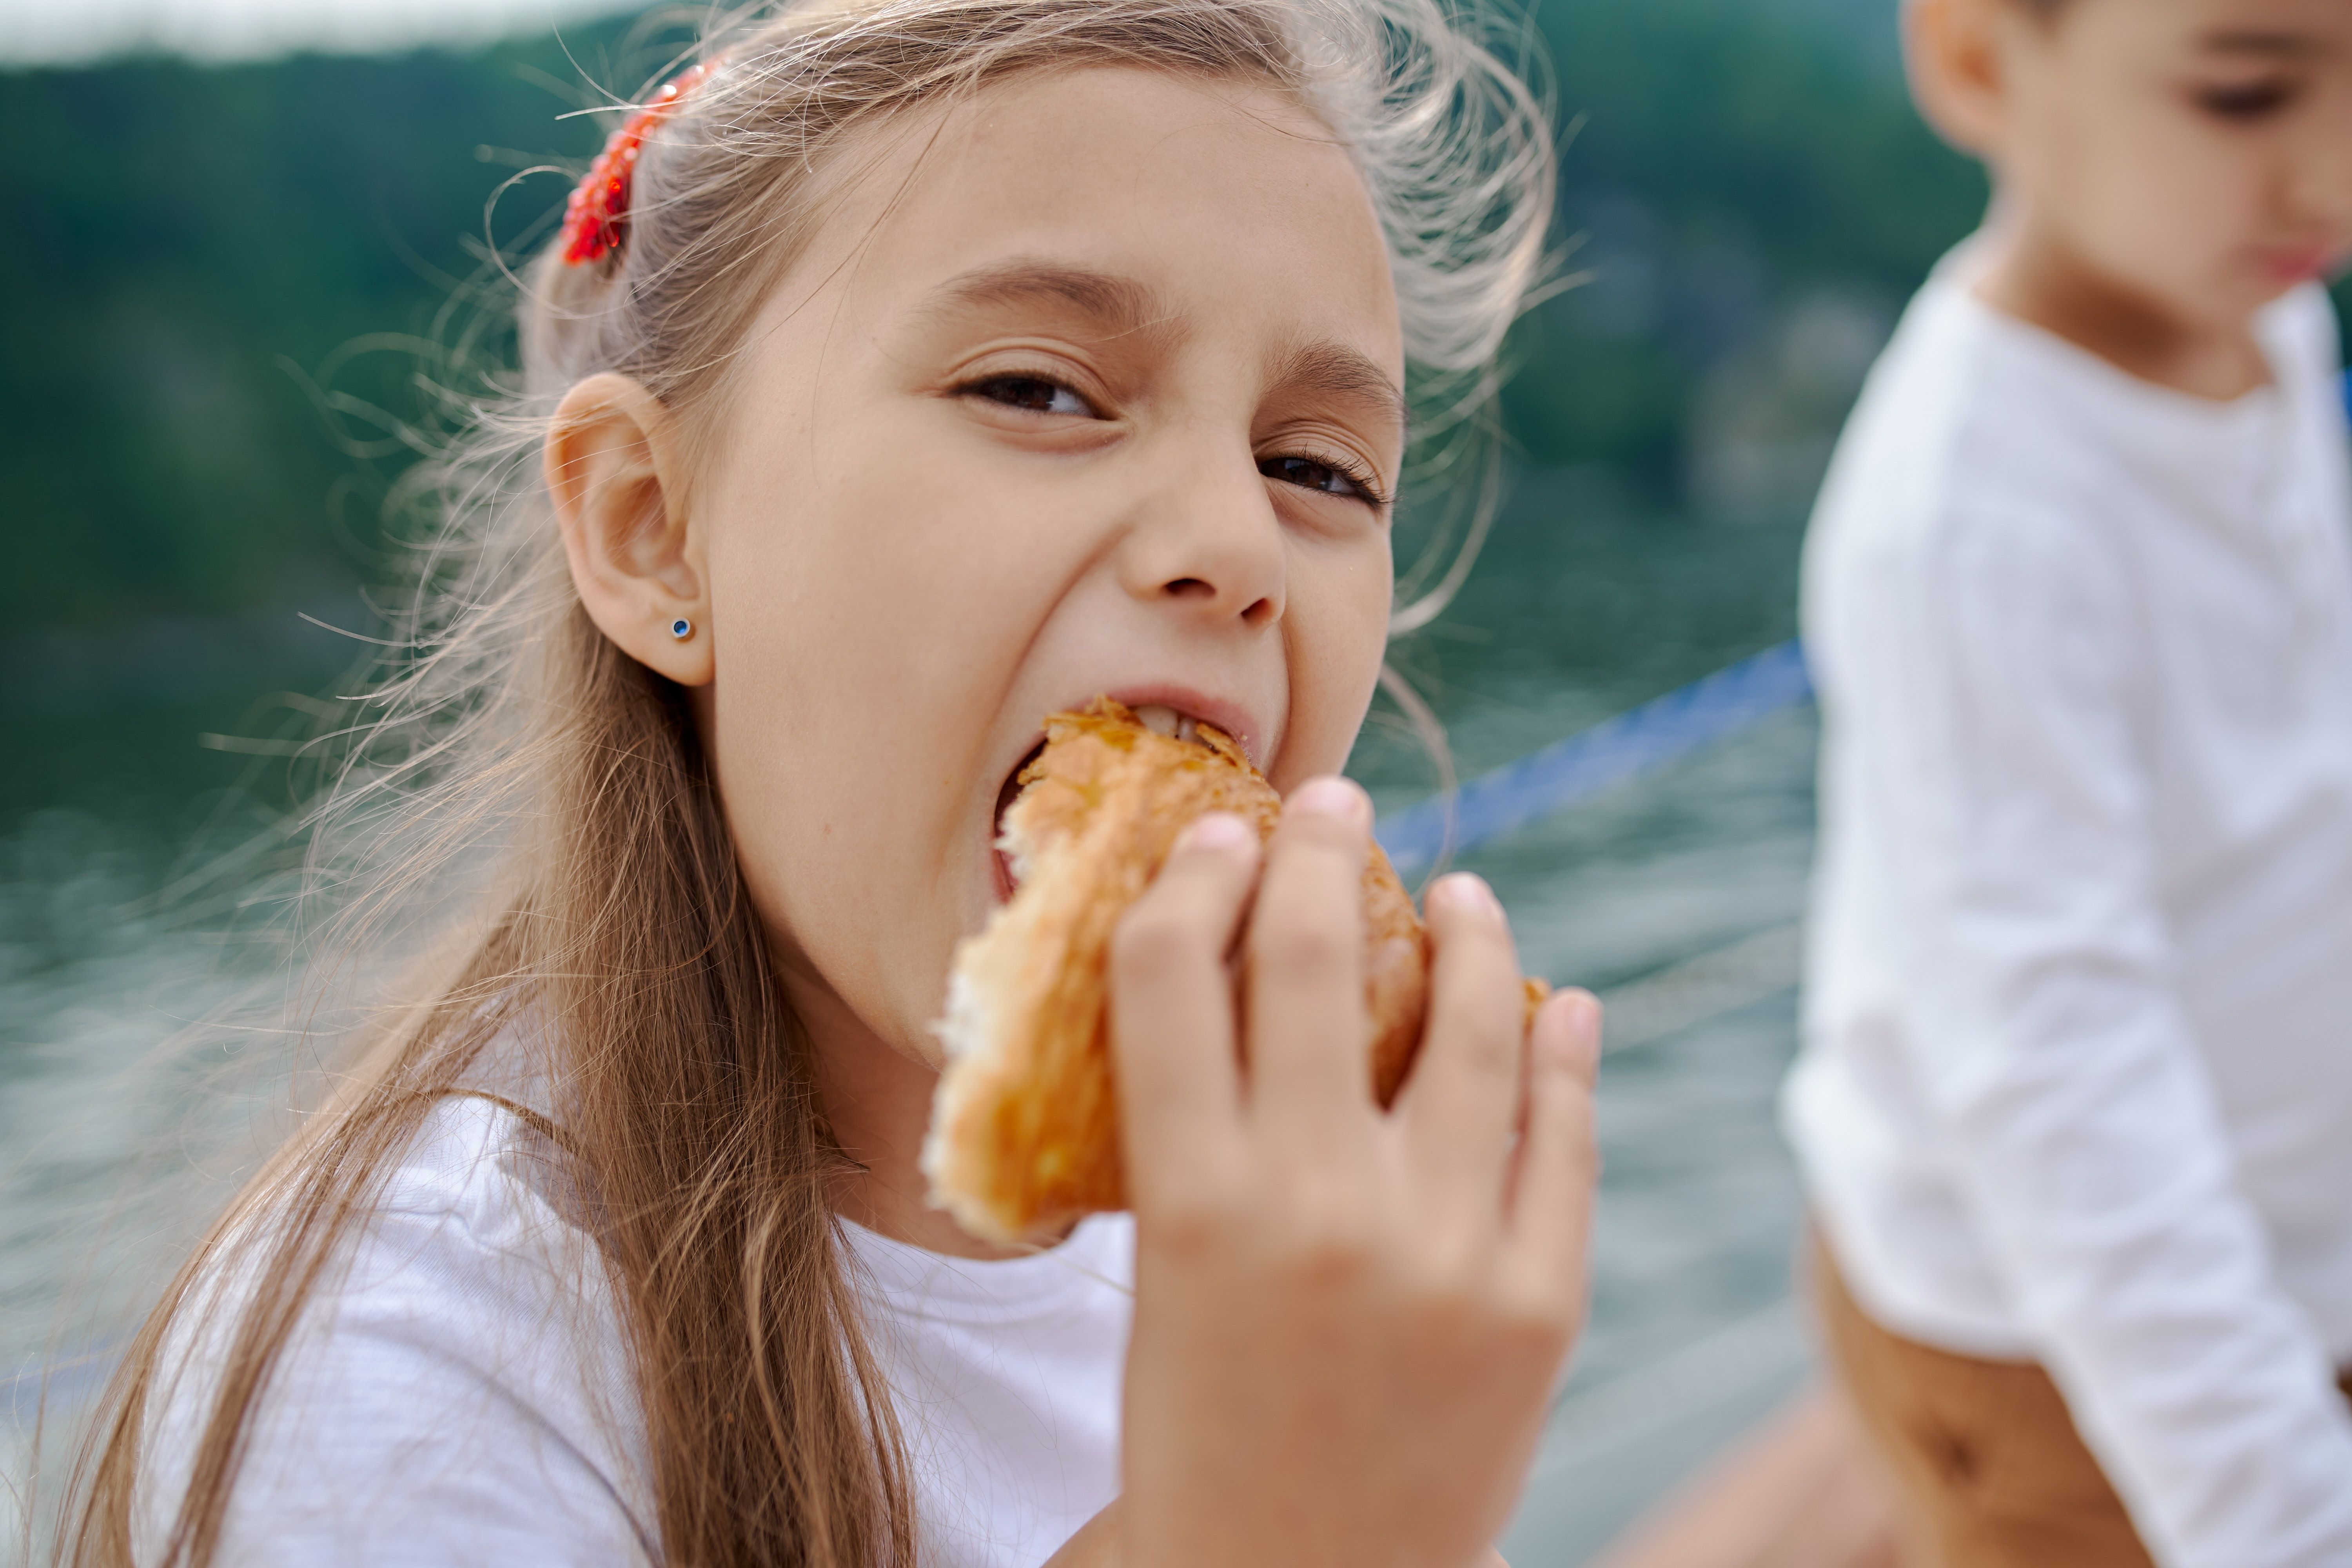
[(681, 628)]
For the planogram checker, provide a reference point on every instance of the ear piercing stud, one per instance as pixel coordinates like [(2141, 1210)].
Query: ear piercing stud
[(681, 628)]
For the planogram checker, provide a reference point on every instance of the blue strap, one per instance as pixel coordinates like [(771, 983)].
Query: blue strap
[(1609, 753)]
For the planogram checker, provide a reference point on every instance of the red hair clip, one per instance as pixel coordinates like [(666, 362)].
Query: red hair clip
[(599, 206)]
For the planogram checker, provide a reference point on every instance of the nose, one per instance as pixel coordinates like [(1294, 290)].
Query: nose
[(2319, 185), (1209, 544)]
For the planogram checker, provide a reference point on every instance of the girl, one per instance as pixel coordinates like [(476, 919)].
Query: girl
[(909, 371)]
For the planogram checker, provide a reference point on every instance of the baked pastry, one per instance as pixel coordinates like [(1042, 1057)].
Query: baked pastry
[(1025, 1124)]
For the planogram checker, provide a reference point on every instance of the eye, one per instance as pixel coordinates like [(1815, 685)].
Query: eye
[(1034, 393), (2246, 101), (1315, 474)]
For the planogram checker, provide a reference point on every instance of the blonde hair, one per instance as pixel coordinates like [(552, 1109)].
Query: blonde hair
[(616, 945)]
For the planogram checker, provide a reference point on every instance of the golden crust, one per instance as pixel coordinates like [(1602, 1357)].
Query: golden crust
[(1024, 1127)]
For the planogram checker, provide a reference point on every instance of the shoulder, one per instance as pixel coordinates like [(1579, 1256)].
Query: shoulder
[(474, 1239), (1974, 518), (1981, 460), (485, 1178), (458, 1380), (1966, 416)]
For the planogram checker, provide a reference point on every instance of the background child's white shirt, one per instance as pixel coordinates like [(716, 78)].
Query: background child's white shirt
[(2078, 1080), (463, 1397)]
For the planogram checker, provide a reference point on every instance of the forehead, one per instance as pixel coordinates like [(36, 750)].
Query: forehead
[(1148, 201), (2247, 29)]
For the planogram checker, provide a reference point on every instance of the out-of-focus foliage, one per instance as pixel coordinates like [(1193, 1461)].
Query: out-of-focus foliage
[(189, 245), (192, 245), (1752, 198)]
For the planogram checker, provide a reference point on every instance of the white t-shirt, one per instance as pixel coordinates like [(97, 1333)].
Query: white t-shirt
[(2077, 1075), (462, 1395)]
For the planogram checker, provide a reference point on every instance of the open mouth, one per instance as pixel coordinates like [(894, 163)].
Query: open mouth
[(1007, 884), (1158, 718)]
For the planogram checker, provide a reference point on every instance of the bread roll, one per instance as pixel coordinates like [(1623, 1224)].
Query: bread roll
[(1024, 1125)]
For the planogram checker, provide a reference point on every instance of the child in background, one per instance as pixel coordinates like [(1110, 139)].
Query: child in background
[(909, 370), (2076, 1102)]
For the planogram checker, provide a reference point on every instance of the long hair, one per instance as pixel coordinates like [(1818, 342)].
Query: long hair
[(540, 804)]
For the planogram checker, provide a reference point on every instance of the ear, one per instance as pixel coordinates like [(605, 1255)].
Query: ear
[(1954, 51), (613, 472)]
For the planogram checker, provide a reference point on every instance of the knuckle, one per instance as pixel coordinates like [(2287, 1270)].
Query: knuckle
[(1187, 1230), (1449, 1307), (1192, 1221), (1332, 1243), (1560, 1105), (1487, 1044), (1541, 1327), (1571, 1149), (1537, 1309), (1303, 947), (1452, 1280), (1153, 942), (1331, 1261)]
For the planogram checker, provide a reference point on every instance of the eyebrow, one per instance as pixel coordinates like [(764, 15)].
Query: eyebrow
[(2266, 44), (1337, 369), (1118, 305), (1121, 306)]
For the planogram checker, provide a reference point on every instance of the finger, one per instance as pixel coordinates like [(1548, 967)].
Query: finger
[(1171, 1005), (1308, 1036), (1462, 1103), (1558, 1167)]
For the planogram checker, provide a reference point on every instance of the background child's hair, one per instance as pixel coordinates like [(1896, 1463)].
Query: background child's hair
[(521, 765)]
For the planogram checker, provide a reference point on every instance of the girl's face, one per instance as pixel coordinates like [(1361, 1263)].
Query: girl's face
[(1091, 385)]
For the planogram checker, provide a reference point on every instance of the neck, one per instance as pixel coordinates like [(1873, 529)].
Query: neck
[(2033, 275), (878, 1099)]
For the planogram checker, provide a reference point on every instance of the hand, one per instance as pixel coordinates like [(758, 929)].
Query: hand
[(1096, 1545), (1349, 1324)]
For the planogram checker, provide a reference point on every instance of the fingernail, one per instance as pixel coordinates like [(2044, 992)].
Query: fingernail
[(1329, 796), (1466, 892), (1220, 831), (1583, 1010), (1580, 1047)]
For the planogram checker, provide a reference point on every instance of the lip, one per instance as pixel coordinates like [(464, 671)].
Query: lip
[(2296, 263), (1247, 730)]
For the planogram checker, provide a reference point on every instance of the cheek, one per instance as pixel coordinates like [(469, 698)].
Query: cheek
[(1336, 636), (2159, 200), (2171, 177), (869, 613)]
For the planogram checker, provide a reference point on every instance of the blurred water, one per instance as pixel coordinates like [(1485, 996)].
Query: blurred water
[(1575, 612)]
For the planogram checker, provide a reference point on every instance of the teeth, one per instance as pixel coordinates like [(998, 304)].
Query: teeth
[(1165, 721)]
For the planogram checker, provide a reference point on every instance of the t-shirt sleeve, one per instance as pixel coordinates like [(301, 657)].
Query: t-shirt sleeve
[(455, 1399), (1992, 679)]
